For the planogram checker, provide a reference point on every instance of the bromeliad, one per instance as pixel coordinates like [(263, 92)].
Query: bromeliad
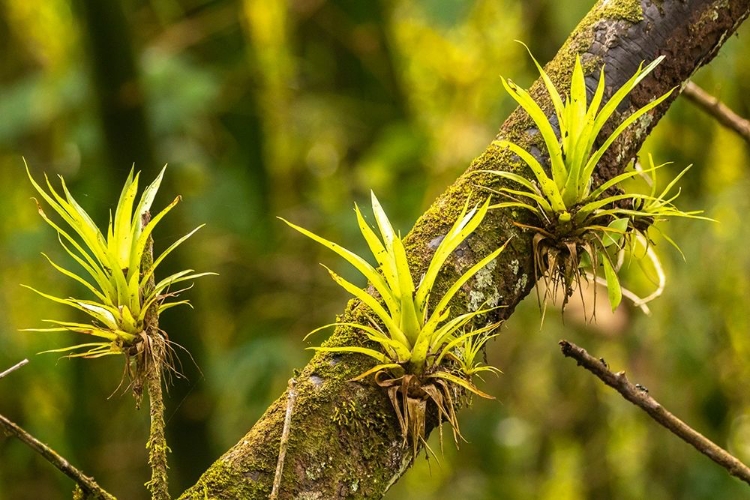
[(123, 288), (578, 220), (423, 352)]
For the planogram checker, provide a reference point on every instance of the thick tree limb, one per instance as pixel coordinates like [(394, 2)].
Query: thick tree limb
[(718, 110), (346, 441), (639, 396)]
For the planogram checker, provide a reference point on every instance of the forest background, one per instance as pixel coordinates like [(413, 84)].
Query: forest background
[(299, 108)]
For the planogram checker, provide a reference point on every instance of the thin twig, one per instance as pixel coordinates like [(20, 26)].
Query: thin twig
[(718, 110), (90, 488), (152, 360), (291, 396), (639, 396), (14, 368)]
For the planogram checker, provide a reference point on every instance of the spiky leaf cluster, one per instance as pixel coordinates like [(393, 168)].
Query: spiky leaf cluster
[(578, 219), (111, 267), (422, 352)]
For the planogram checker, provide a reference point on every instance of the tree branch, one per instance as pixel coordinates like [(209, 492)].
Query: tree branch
[(714, 107), (153, 360), (89, 487), (639, 396), (14, 368), (291, 396), (348, 442)]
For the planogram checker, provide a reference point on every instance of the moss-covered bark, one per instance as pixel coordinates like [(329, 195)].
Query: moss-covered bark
[(152, 360), (345, 440)]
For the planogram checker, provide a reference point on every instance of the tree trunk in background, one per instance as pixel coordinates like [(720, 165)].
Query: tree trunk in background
[(115, 75), (345, 440)]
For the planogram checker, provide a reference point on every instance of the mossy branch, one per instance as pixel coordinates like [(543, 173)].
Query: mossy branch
[(152, 358), (346, 440)]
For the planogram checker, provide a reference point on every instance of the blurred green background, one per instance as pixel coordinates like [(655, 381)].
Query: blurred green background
[(298, 108)]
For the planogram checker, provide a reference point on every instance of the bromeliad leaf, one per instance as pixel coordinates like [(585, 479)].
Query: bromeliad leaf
[(614, 291)]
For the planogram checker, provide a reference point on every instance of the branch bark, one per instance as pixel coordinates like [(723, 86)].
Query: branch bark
[(714, 107), (153, 360), (89, 488), (639, 396), (14, 368), (347, 442)]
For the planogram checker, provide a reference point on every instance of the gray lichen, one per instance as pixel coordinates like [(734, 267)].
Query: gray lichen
[(484, 293)]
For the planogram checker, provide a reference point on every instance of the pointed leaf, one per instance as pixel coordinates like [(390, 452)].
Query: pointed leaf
[(376, 355), (468, 275), (75, 277), (355, 260), (147, 273), (544, 126), (463, 383), (393, 328), (547, 185), (614, 291), (121, 241)]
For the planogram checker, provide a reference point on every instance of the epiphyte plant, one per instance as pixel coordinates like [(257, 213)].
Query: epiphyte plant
[(422, 353), (118, 270), (580, 221)]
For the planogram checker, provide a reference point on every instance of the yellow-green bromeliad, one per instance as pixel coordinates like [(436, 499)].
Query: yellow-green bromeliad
[(118, 270), (422, 353)]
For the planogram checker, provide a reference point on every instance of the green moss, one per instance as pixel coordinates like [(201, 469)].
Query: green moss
[(222, 478), (580, 42), (630, 10), (361, 453), (357, 417)]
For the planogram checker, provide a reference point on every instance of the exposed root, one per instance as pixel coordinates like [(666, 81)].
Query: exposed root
[(411, 398)]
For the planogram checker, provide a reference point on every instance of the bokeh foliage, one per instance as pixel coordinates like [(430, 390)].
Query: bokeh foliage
[(298, 109)]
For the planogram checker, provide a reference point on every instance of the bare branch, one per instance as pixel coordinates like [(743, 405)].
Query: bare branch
[(291, 396), (89, 487), (639, 396), (714, 107), (14, 368)]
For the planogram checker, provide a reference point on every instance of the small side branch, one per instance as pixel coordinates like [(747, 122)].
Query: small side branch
[(14, 368), (718, 110), (89, 487), (157, 442), (291, 396), (639, 396), (152, 360)]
